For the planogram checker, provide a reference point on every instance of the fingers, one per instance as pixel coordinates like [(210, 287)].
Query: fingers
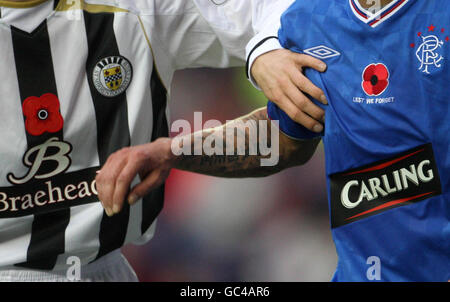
[(305, 104), (306, 112), (302, 82), (299, 116), (151, 182), (115, 178), (305, 85), (105, 181), (123, 183), (152, 161), (311, 62)]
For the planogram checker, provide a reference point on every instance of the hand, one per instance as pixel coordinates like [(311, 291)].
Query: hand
[(279, 73), (151, 161)]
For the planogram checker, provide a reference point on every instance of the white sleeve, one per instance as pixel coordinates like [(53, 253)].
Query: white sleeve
[(204, 33), (266, 39)]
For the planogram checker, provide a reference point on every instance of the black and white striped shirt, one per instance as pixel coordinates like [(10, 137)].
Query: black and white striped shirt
[(80, 80)]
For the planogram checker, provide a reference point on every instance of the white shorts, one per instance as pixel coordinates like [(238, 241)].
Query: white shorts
[(110, 268)]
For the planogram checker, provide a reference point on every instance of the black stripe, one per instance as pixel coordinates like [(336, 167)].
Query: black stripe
[(253, 50), (36, 77), (55, 4), (153, 203), (112, 120)]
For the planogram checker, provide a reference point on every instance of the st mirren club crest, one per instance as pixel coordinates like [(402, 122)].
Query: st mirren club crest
[(112, 76)]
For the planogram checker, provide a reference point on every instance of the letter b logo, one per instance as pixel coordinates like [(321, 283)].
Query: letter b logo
[(61, 158)]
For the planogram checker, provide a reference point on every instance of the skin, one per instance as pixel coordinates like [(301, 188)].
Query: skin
[(374, 3), (279, 73), (153, 162)]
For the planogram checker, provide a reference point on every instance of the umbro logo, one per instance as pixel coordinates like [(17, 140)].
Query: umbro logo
[(322, 52)]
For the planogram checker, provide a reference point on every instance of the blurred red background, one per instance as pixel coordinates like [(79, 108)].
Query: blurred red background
[(213, 229)]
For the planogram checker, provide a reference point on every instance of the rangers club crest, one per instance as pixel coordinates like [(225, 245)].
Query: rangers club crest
[(112, 76), (429, 48)]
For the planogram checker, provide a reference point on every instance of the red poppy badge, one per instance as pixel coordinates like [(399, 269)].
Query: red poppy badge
[(375, 79), (42, 114)]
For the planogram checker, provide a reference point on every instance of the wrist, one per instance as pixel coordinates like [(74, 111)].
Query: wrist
[(169, 156), (267, 45)]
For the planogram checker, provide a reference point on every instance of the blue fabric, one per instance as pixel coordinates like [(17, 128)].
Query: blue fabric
[(411, 241)]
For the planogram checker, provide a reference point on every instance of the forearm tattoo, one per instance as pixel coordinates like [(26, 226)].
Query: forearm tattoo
[(236, 160)]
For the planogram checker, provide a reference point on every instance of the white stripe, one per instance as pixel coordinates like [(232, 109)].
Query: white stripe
[(15, 233), (163, 61), (82, 234), (166, 73), (371, 17), (356, 2), (139, 98), (390, 14), (27, 19), (77, 107), (80, 130), (13, 141), (355, 12)]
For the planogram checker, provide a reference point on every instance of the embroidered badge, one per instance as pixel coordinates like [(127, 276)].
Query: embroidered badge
[(112, 76)]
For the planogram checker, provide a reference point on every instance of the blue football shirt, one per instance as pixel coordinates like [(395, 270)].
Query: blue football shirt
[(387, 132)]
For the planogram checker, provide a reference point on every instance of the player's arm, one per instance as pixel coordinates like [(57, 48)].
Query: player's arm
[(153, 162), (206, 33), (216, 33), (252, 127), (279, 74), (277, 71)]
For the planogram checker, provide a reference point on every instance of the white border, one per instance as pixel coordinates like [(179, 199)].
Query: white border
[(371, 17)]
